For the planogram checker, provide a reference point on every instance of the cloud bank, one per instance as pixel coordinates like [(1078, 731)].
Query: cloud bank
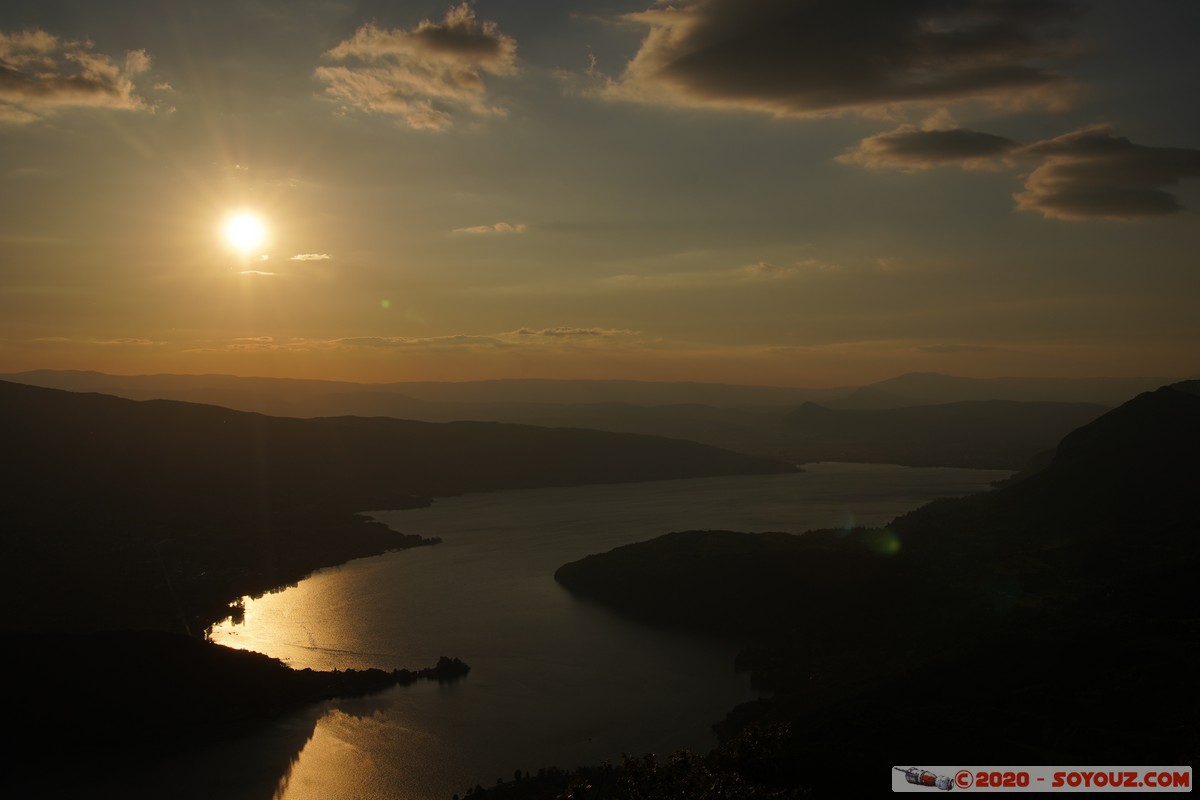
[(420, 75), (41, 73), (876, 57), (1094, 174), (788, 58), (1086, 174)]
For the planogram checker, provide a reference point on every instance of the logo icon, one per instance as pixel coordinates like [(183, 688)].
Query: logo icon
[(923, 777)]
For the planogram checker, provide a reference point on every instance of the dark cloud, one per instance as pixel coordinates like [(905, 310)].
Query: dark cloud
[(909, 148), (416, 75), (41, 73), (790, 57), (462, 37), (1093, 174), (1086, 174)]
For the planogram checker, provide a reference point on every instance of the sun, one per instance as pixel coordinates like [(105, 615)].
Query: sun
[(244, 231)]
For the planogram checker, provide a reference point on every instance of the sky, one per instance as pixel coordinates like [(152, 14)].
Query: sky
[(768, 192)]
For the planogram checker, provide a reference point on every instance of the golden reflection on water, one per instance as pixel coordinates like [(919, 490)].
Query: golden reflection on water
[(351, 757), (315, 624), (327, 753)]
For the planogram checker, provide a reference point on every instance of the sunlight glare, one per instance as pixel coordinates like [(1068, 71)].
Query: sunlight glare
[(244, 231)]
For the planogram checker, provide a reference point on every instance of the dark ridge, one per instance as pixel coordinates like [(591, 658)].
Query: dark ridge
[(733, 584), (160, 513), (1117, 500), (165, 452), (1049, 621), (984, 434)]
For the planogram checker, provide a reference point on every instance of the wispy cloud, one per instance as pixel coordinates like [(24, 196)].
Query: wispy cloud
[(574, 333), (311, 257), (41, 73), (124, 341), (765, 270), (253, 344), (955, 348), (452, 340), (420, 75), (499, 227), (747, 275), (829, 56)]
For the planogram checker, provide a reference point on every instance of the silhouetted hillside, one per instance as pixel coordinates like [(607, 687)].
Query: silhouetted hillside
[(159, 513), (1006, 617), (1117, 500), (1115, 497), (1000, 434), (163, 452), (213, 690), (726, 582), (929, 388), (104, 707), (742, 418)]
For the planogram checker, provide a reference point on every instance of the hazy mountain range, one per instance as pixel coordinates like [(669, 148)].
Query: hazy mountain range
[(296, 397), (925, 388), (773, 422)]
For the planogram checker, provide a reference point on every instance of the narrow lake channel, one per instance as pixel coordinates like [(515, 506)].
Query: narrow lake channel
[(554, 680)]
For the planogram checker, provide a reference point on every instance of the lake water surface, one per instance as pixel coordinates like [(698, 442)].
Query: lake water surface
[(554, 680)]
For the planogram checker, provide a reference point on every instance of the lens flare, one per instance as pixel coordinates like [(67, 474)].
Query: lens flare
[(881, 541)]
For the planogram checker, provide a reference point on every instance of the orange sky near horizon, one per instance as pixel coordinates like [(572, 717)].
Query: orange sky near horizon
[(462, 191)]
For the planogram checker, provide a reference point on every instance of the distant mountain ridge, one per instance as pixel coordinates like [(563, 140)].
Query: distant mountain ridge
[(295, 397), (928, 388), (761, 420)]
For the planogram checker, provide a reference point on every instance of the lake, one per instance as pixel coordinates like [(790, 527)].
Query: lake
[(554, 680)]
